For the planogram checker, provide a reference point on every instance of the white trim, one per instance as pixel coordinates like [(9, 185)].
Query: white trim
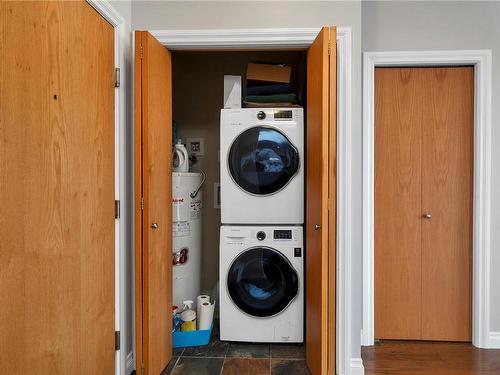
[(106, 10), (494, 340), (301, 38), (357, 367), (236, 38), (481, 59), (344, 211)]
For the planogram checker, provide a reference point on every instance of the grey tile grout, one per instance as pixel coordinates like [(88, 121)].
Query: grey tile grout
[(175, 364), (193, 356), (222, 367), (288, 358)]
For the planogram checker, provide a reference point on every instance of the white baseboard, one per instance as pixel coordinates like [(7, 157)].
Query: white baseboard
[(357, 367), (129, 363), (494, 340)]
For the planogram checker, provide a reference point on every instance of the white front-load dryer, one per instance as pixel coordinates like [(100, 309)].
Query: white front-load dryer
[(261, 283), (262, 166)]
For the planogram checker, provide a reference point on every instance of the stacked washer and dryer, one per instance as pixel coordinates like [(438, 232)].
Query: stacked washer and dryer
[(261, 236)]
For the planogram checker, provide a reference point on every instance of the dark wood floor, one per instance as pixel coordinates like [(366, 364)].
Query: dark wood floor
[(429, 358)]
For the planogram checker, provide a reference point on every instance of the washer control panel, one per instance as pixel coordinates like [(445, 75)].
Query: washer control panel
[(246, 236), (282, 234)]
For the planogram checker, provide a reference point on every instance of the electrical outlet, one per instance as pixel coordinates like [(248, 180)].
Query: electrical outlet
[(196, 146)]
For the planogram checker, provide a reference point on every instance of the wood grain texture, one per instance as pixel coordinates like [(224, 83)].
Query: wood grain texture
[(156, 116), (447, 159), (317, 169), (139, 358), (423, 267), (398, 130), (332, 212), (428, 358), (56, 189)]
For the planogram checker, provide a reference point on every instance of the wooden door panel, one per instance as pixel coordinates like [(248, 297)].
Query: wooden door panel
[(447, 194), (398, 129), (156, 186), (423, 163), (57, 189), (332, 209), (320, 185)]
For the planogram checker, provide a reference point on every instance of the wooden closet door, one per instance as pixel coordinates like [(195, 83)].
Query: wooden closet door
[(154, 219), (398, 237), (447, 159), (320, 203), (423, 203), (57, 189)]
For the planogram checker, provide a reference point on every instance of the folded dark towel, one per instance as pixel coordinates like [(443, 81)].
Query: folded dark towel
[(279, 98), (280, 88)]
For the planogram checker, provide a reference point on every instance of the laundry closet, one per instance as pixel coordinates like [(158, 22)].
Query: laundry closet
[(179, 96), (198, 97)]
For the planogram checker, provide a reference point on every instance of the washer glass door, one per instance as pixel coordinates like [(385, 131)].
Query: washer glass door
[(262, 282), (262, 160)]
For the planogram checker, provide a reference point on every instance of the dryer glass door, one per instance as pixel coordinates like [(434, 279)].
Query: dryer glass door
[(262, 160), (262, 282)]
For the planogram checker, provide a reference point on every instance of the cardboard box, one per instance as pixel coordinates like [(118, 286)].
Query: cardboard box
[(269, 73)]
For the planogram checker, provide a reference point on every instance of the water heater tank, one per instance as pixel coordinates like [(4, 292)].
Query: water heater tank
[(186, 226)]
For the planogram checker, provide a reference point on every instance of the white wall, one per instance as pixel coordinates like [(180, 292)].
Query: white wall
[(124, 8), (166, 15), (447, 25), (386, 26)]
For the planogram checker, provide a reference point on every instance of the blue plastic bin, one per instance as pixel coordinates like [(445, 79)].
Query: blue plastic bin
[(192, 338)]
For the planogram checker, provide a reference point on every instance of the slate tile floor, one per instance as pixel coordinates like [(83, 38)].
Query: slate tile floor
[(225, 358)]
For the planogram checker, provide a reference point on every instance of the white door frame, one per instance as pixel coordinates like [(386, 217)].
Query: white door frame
[(106, 10), (481, 60), (302, 38)]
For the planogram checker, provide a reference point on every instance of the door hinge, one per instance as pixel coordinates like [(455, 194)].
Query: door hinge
[(328, 204), (117, 77), (142, 203), (117, 209), (329, 48), (140, 52), (117, 340), (142, 368)]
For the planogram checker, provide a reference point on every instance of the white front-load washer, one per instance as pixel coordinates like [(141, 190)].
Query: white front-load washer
[(262, 166), (261, 283)]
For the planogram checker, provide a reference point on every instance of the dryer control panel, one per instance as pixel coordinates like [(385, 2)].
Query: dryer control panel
[(283, 114)]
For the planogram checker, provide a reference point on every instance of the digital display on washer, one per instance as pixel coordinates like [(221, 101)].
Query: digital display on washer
[(285, 114), (282, 234)]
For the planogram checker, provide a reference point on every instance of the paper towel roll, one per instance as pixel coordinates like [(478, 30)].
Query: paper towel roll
[(206, 315), (199, 301)]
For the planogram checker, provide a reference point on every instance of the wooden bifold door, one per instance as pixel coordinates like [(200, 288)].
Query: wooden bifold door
[(57, 189), (153, 192), (423, 202), (153, 168)]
